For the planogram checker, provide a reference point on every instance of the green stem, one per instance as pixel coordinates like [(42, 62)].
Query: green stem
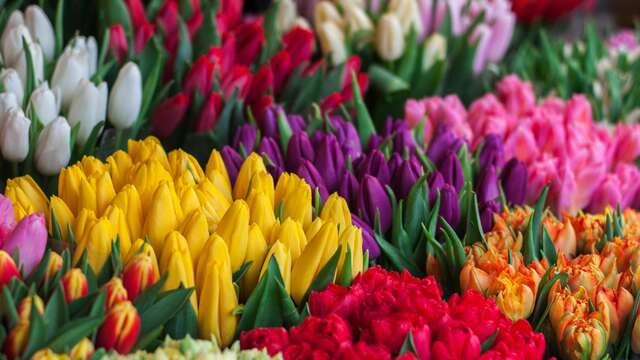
[(14, 169), (119, 136)]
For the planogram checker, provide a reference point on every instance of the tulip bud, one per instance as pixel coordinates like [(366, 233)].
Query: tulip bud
[(407, 10), (163, 215), (262, 212), (291, 234), (332, 42), (29, 241), (116, 292), (53, 266), (45, 102), (336, 209), (24, 307), (375, 165), (369, 243), (351, 239), (373, 202), (286, 15), (175, 261), (299, 149), (74, 285), (487, 186), (325, 11), (404, 177), (451, 169), (71, 68), (126, 97), (330, 161), (11, 83), (282, 254), (87, 108), (118, 42), (217, 172), (89, 46), (617, 304), (7, 103), (25, 193), (349, 189), (234, 229), (53, 151), (232, 161), (251, 166), (214, 203), (14, 136), (492, 153), (449, 205), (514, 182), (311, 175), (294, 195), (270, 149), (196, 230), (120, 328), (84, 349), (389, 37), (41, 30), (583, 338), (256, 251), (16, 341), (487, 211), (435, 49), (357, 19), (138, 275), (218, 301), (314, 257), (12, 43)]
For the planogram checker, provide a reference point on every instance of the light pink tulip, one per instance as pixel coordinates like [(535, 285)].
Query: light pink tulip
[(522, 144), (516, 95), (7, 218), (629, 177), (488, 116), (541, 173), (626, 144), (29, 238)]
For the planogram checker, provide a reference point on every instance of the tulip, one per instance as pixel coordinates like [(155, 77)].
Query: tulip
[(291, 234), (120, 328), (270, 149), (14, 136), (209, 112), (7, 103), (176, 262), (312, 176), (492, 153), (11, 83), (84, 349), (250, 167), (89, 46), (148, 177), (24, 307), (116, 292), (71, 68), (336, 209), (486, 214), (214, 203), (332, 42), (286, 15), (330, 161), (215, 250), (199, 77), (435, 49), (294, 195), (88, 108), (373, 202), (163, 215), (256, 252), (138, 275), (29, 240), (25, 193), (217, 173), (583, 338), (313, 258), (97, 241), (451, 170), (404, 177), (369, 244), (169, 114), (118, 42), (617, 304), (218, 302), (119, 164), (46, 103), (351, 239), (12, 43), (282, 254), (37, 62), (473, 278), (54, 265), (196, 230), (148, 149), (262, 212), (515, 298), (514, 181), (357, 19), (74, 285), (457, 341), (118, 219), (487, 185), (7, 218), (299, 149), (8, 269), (245, 138), (349, 189), (184, 164), (16, 341), (234, 229), (41, 30), (375, 165), (389, 37), (128, 200), (53, 151), (125, 99), (449, 206)]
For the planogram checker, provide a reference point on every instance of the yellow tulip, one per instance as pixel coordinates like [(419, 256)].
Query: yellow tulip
[(262, 213), (296, 201), (234, 229), (25, 193), (214, 203), (98, 241), (81, 226), (291, 235), (146, 177), (91, 166), (119, 165), (285, 185), (515, 296), (189, 201), (314, 257), (119, 221), (163, 216), (128, 200), (262, 182), (175, 261), (283, 258), (105, 192), (181, 163), (215, 250), (337, 210), (148, 149), (217, 305), (196, 231), (256, 252), (69, 186), (86, 197), (63, 214), (216, 171), (142, 247), (313, 228), (251, 166), (351, 239)]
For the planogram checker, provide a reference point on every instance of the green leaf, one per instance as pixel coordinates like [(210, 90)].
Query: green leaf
[(548, 249), (474, 233), (184, 53), (346, 275), (532, 240), (74, 331), (387, 82), (453, 242), (237, 276), (396, 258), (148, 296), (271, 33), (417, 208), (148, 338), (408, 345), (407, 64), (284, 129), (164, 309), (488, 343), (59, 24), (113, 12), (207, 35), (325, 276), (37, 333), (184, 323), (542, 305), (55, 313), (31, 75), (8, 308), (364, 123)]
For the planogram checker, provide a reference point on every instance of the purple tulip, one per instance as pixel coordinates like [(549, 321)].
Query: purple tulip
[(310, 174), (232, 161), (297, 123), (405, 176), (492, 153), (374, 142), (29, 239), (436, 182), (274, 170), (7, 218), (269, 125), (269, 147), (330, 161), (486, 214), (449, 207), (514, 181), (487, 186), (347, 136), (246, 137), (451, 170), (376, 165), (404, 141), (373, 200), (299, 149), (368, 240), (443, 142), (395, 162), (349, 189)]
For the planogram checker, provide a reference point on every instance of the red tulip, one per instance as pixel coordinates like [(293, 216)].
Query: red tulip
[(136, 13), (8, 269), (298, 42), (16, 340), (118, 42), (116, 293), (249, 39), (281, 65), (143, 34), (231, 10), (224, 56), (120, 329), (239, 78), (262, 83), (456, 341), (258, 109), (199, 77), (167, 17), (169, 114), (209, 112), (74, 285), (331, 102), (529, 11), (138, 275)]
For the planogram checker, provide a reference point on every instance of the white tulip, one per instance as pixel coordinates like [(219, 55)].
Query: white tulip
[(357, 19), (37, 61), (71, 68), (45, 102), (11, 83), (325, 11), (15, 20), (332, 42), (53, 151), (407, 13), (41, 30), (435, 49), (12, 43), (389, 37), (90, 47), (126, 97), (14, 136), (8, 102), (86, 108), (103, 98), (286, 15)]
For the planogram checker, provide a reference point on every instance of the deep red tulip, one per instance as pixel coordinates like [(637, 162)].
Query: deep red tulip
[(263, 82), (199, 77), (169, 114), (249, 39), (118, 42), (136, 13), (281, 65), (142, 36), (239, 78), (167, 17), (208, 117), (298, 42)]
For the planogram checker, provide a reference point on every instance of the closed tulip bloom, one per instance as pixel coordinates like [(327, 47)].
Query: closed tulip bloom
[(119, 165), (196, 230), (163, 215), (169, 114), (389, 37), (8, 102), (234, 229), (120, 328), (376, 165), (128, 200), (97, 242), (215, 250), (297, 205), (84, 349), (81, 225), (256, 251), (29, 240), (473, 278), (87, 108), (138, 275), (146, 150), (232, 161), (216, 171), (182, 162), (8, 268), (41, 29), (176, 262), (245, 138), (515, 298), (492, 153), (514, 181), (325, 11), (116, 293), (12, 43), (451, 169), (37, 60), (104, 190), (71, 68), (118, 219), (251, 166), (487, 211), (330, 161), (270, 149), (291, 234), (282, 254), (456, 341), (349, 189), (351, 239), (314, 257), (262, 213), (218, 301), (357, 19), (434, 49), (262, 182), (487, 186), (25, 192), (46, 103), (126, 97), (299, 149), (147, 177), (404, 177), (74, 285), (53, 151), (11, 83), (24, 307), (54, 265), (88, 45), (336, 209), (14, 136), (214, 203), (16, 341), (311, 175), (140, 246), (449, 205), (332, 42), (617, 303), (373, 201)]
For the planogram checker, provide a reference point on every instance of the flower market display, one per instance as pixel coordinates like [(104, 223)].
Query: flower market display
[(326, 179)]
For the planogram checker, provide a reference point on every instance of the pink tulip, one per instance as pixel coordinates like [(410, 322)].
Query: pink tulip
[(504, 22), (541, 173), (516, 95), (488, 116), (7, 219), (29, 238), (607, 193), (414, 111), (629, 177), (522, 145), (627, 144)]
